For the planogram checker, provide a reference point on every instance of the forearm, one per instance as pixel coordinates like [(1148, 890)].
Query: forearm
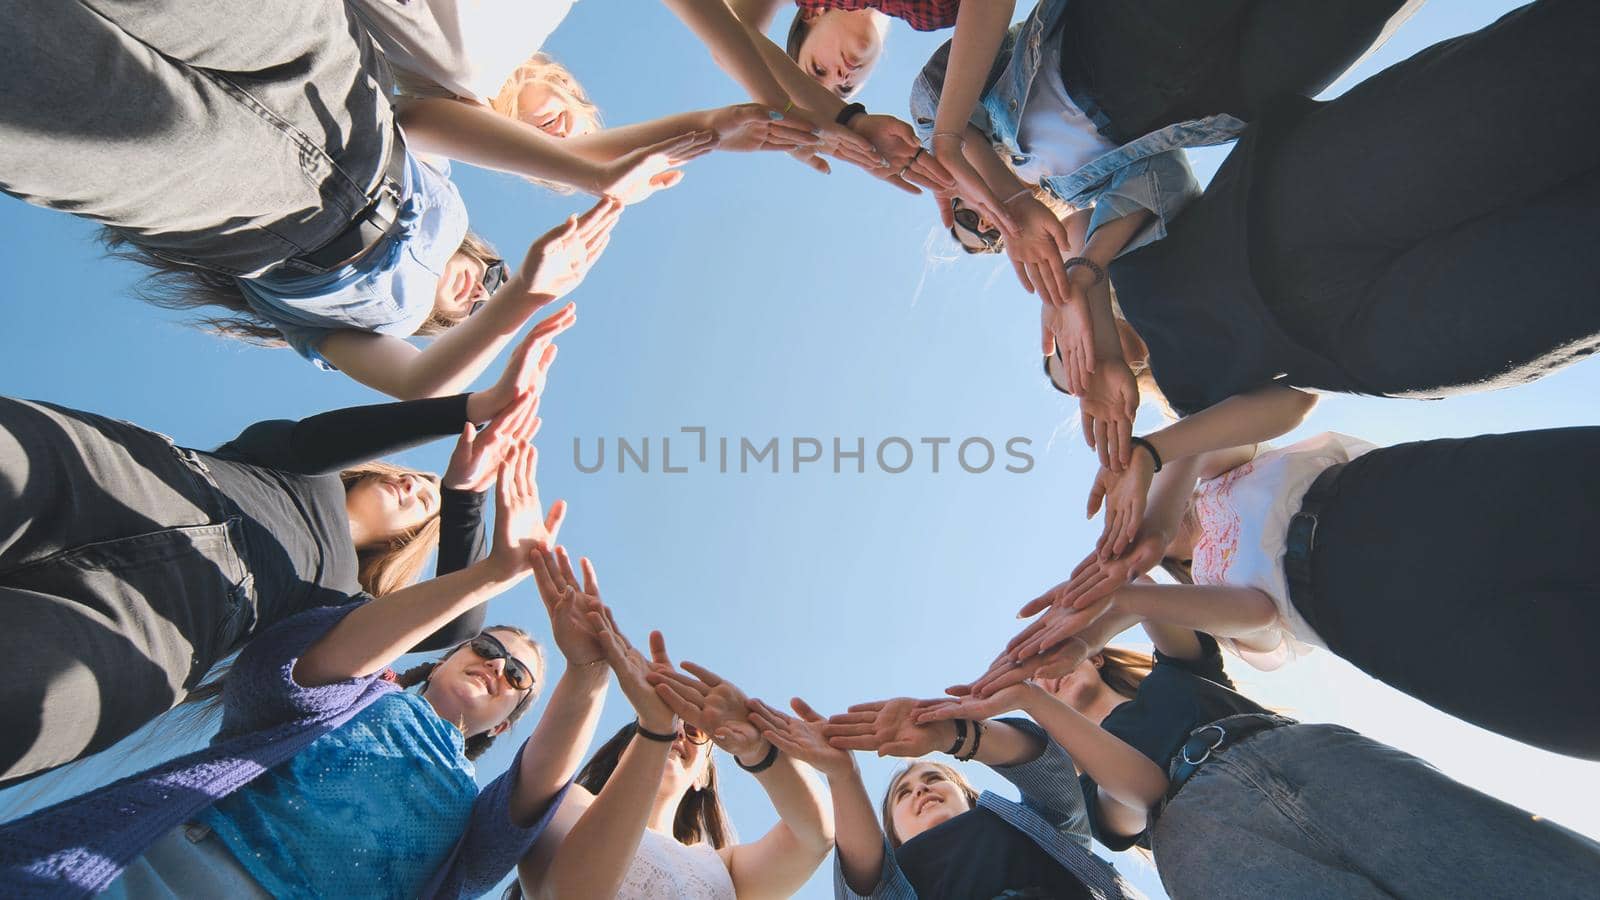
[(858, 840), (594, 856), (805, 90), (1170, 492), (732, 47), (1126, 774), (562, 737), (376, 634), (330, 442), (479, 136), (797, 797), (1003, 744), (1243, 419), (1109, 240), (980, 29), (611, 144), (995, 173), (1232, 612)]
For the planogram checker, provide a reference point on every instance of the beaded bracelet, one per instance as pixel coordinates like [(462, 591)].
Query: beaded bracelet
[(1096, 268), (977, 738)]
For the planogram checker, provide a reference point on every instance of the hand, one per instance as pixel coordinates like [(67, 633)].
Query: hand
[(802, 738), (569, 605), (520, 525), (1055, 626), (1009, 699), (970, 185), (557, 262), (1097, 578), (1125, 494), (715, 705), (527, 368), (1107, 403), (478, 455), (1037, 245), (1067, 334), (631, 669), (748, 127), (905, 160), (888, 728), (635, 176), (1007, 669)]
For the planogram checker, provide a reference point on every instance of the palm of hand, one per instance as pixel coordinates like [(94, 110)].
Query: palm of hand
[(725, 714), (574, 634), (558, 266), (1111, 390), (896, 726)]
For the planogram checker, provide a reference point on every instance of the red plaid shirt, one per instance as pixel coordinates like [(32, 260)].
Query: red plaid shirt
[(923, 15)]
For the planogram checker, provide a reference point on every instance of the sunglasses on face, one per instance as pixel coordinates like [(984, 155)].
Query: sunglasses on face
[(970, 223), (694, 734), (495, 274), (517, 673)]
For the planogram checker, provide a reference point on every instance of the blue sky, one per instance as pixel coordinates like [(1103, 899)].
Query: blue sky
[(762, 300)]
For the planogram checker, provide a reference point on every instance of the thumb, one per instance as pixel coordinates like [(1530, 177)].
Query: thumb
[(1096, 495)]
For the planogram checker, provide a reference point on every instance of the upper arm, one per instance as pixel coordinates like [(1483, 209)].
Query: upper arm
[(379, 361), (1119, 818), (1174, 641), (1216, 462), (537, 861), (757, 14), (777, 865)]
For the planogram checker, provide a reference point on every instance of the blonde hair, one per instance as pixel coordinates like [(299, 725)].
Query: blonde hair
[(541, 69), (886, 809), (400, 561), (178, 286)]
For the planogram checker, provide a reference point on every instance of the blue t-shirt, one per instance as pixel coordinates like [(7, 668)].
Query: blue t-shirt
[(390, 291), (370, 809)]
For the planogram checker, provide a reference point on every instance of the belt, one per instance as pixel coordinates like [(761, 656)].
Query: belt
[(1207, 740), (1302, 537), (369, 226)]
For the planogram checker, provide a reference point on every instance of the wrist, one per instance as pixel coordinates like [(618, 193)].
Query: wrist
[(755, 754), (658, 724), (942, 735), (591, 674)]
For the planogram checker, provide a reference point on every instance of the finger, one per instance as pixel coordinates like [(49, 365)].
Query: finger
[(685, 685), (804, 710), (958, 690), (553, 519), (931, 168), (1097, 494), (678, 703), (949, 710), (833, 729), (710, 678), (782, 741), (898, 181), (658, 649), (1094, 591), (871, 708), (853, 743), (772, 713), (591, 581), (1022, 275), (568, 577)]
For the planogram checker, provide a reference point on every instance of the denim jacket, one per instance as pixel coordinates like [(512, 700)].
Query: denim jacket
[(1052, 814), (1150, 173)]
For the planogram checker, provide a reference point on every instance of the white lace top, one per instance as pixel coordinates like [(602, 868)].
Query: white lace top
[(664, 868), (1244, 518)]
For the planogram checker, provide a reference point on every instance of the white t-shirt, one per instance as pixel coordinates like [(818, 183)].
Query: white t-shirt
[(1054, 132), (665, 868), (1244, 518), (465, 48)]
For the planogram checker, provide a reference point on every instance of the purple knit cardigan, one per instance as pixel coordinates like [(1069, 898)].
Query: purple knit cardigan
[(78, 847)]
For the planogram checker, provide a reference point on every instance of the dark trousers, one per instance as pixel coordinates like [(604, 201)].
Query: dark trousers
[(1149, 63), (1434, 226), (120, 582), (1463, 572), (230, 134)]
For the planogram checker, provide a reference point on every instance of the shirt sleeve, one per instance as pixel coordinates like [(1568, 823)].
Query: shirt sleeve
[(493, 842), (892, 883), (462, 542), (1209, 665), (1048, 785), (1162, 184), (261, 690), (326, 443)]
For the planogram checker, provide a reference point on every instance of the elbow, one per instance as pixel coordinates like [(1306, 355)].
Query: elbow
[(1301, 405)]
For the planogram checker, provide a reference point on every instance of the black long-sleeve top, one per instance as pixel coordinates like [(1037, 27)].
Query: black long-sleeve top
[(281, 478)]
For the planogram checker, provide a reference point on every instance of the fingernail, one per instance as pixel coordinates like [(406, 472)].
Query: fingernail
[(774, 115)]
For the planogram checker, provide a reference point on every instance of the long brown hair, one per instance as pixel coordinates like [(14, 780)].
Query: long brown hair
[(479, 744), (186, 288), (886, 807), (399, 562), (700, 815), (1124, 670)]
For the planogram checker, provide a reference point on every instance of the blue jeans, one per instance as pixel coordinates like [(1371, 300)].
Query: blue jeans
[(228, 134), (121, 582), (1319, 811)]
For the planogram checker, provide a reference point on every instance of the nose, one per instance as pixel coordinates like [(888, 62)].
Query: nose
[(497, 667)]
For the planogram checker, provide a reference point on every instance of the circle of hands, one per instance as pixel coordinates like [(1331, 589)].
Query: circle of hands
[(1073, 620)]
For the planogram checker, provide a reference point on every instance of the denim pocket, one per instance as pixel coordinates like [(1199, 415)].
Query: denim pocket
[(180, 597)]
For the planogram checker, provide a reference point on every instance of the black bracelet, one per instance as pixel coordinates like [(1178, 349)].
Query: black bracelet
[(961, 737), (850, 111), (647, 734), (977, 738), (1154, 456), (1096, 268), (765, 764)]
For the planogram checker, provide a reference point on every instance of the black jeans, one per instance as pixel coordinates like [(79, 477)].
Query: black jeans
[(1462, 572), (1149, 63), (1434, 226), (121, 581), (228, 134)]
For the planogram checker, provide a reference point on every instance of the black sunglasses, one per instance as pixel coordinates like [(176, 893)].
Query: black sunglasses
[(968, 220), (495, 274), (518, 675)]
